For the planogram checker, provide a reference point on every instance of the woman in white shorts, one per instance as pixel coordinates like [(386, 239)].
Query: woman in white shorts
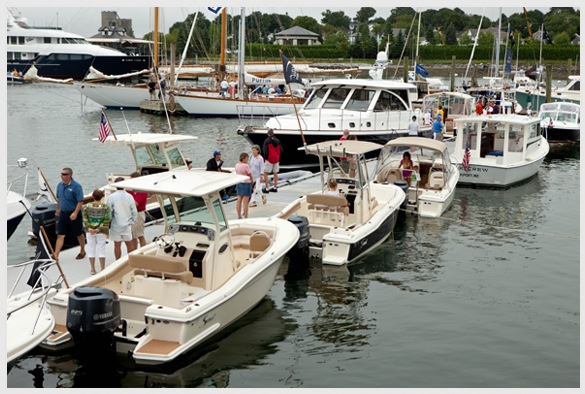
[(96, 220)]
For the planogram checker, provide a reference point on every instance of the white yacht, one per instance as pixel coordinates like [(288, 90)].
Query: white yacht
[(170, 296), (433, 193), (502, 149), (373, 110), (59, 54), (562, 123), (571, 92), (345, 226)]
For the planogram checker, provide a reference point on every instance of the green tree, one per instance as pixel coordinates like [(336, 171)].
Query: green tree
[(398, 45), (562, 39), (336, 19), (451, 35), (308, 23), (430, 35), (364, 14), (485, 38), (464, 39), (400, 12)]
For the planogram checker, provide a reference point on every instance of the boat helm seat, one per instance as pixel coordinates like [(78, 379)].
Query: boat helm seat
[(436, 181), (259, 242), (393, 175)]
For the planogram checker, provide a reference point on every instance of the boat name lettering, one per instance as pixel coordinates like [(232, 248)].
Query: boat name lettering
[(477, 169), (99, 316)]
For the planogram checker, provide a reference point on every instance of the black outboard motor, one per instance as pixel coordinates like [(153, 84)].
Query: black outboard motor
[(44, 215), (301, 250), (93, 313), (404, 186)]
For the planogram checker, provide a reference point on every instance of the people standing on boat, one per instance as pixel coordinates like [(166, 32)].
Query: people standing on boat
[(343, 162), (232, 86), (272, 150), (414, 177), (413, 127), (69, 203), (138, 226), (123, 214), (224, 87), (353, 159), (214, 164), (256, 164), (151, 88), (406, 165), (163, 84), (96, 222), (438, 128), (244, 189), (479, 108), (427, 118)]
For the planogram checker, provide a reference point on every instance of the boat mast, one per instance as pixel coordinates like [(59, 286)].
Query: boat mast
[(223, 44), (498, 43), (241, 50), (417, 43), (186, 46), (155, 37), (475, 42)]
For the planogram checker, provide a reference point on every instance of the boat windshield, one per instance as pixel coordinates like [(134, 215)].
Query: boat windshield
[(336, 98), (175, 158), (360, 100), (315, 100), (149, 155), (192, 209)]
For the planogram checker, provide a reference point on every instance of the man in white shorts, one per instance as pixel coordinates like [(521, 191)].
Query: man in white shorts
[(123, 214), (272, 150)]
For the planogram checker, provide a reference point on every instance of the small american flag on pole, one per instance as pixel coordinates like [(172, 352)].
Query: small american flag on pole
[(466, 156), (104, 127)]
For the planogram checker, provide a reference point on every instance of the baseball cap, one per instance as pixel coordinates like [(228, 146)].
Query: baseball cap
[(217, 152), (440, 116)]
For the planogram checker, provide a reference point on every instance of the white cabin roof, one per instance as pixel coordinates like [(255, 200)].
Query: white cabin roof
[(335, 148), (516, 119), (147, 138), (421, 142), (369, 83), (182, 183)]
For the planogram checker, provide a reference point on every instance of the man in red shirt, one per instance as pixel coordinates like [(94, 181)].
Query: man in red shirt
[(138, 226), (479, 108), (343, 162)]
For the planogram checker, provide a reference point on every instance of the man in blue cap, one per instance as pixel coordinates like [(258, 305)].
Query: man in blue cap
[(214, 164), (438, 128)]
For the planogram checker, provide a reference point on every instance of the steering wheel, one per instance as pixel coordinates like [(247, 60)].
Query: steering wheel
[(165, 240)]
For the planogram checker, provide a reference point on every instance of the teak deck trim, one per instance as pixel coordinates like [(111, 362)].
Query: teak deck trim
[(156, 346), (61, 330)]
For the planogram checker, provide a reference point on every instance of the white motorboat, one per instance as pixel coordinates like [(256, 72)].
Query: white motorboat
[(562, 123), (17, 204), (505, 99), (571, 92), (435, 189), (29, 320), (455, 104), (503, 149), (373, 110), (60, 54), (170, 296), (343, 228)]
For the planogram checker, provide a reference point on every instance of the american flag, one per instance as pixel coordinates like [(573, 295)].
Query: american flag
[(104, 128), (466, 156)]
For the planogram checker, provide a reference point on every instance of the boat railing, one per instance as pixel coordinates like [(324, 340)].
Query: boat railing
[(39, 290)]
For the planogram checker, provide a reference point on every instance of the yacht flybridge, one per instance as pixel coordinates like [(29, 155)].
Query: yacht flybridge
[(59, 54), (358, 217), (373, 110), (169, 296)]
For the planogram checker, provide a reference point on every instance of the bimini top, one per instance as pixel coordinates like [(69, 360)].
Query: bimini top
[(419, 142), (147, 138), (516, 119), (336, 148), (370, 83), (182, 183)]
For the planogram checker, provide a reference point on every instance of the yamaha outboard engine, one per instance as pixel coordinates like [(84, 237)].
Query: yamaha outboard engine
[(404, 186), (44, 215), (93, 313), (301, 250)]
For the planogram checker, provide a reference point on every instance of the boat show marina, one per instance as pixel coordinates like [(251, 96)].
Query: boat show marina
[(487, 295)]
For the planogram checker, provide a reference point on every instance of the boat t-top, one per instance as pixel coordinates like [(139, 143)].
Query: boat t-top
[(171, 295), (498, 150), (431, 191), (355, 217)]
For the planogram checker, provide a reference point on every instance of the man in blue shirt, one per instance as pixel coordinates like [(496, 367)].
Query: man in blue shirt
[(438, 128), (69, 218)]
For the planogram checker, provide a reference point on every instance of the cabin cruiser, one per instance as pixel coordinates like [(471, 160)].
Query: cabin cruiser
[(433, 192), (571, 92), (170, 296), (562, 123), (503, 98), (455, 105), (59, 54), (17, 204), (498, 150), (29, 321), (373, 110), (346, 223)]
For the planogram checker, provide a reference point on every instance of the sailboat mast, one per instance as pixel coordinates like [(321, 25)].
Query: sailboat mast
[(417, 43), (241, 52), (155, 36), (498, 43), (223, 44)]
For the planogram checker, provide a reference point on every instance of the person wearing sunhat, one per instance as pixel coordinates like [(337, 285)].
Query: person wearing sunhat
[(214, 164), (438, 128)]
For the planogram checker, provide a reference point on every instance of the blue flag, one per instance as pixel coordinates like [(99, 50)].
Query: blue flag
[(421, 70), (215, 10), (508, 69), (546, 36)]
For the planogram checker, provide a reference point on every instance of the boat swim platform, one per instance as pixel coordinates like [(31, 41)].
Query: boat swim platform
[(157, 107)]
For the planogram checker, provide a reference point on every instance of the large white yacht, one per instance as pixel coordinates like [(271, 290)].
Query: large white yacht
[(59, 54)]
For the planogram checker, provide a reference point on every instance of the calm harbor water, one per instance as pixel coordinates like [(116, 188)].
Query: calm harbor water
[(461, 301)]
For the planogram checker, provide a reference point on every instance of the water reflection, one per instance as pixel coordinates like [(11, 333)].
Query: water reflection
[(249, 341)]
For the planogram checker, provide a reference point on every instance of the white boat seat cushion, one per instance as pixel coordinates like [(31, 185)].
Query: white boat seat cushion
[(259, 241), (156, 263), (436, 181), (186, 276), (393, 175), (324, 201)]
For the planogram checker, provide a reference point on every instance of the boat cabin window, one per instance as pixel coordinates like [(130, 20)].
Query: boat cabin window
[(389, 102), (316, 98), (516, 138), (336, 98), (175, 158), (47, 40), (576, 86), (360, 100), (492, 139), (533, 130), (150, 155), (469, 134)]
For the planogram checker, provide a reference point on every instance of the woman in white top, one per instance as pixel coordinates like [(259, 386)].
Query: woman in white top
[(333, 192), (256, 164)]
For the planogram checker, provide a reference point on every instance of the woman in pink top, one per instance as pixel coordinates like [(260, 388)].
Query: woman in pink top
[(243, 189)]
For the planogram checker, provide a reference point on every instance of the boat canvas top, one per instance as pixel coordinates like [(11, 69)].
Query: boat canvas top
[(146, 139), (341, 148), (381, 84), (417, 142), (182, 183)]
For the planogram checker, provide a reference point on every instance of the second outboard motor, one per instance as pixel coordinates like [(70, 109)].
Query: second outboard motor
[(44, 215), (301, 249), (404, 186), (93, 314)]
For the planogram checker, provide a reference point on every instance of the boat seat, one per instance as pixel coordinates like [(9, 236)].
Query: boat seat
[(186, 276), (319, 207), (393, 175), (436, 181), (156, 263), (259, 242)]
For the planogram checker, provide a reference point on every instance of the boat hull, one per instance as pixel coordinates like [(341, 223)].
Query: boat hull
[(112, 96), (213, 105), (498, 177), (563, 135)]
